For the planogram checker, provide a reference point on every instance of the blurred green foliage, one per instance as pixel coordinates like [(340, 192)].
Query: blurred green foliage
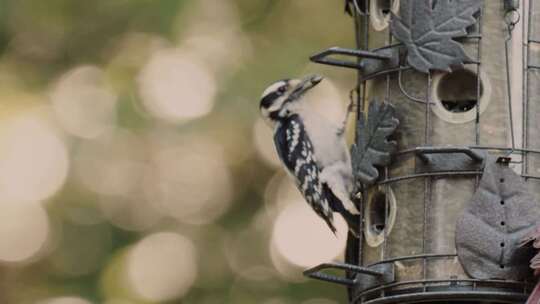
[(42, 40)]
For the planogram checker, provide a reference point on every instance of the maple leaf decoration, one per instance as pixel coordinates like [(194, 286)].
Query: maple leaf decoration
[(427, 27)]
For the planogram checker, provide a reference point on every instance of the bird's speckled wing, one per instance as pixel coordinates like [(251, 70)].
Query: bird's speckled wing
[(295, 150)]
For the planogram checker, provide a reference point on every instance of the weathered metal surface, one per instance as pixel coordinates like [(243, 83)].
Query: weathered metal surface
[(450, 158), (373, 147), (428, 29), (364, 277), (511, 5), (431, 196), (493, 224), (324, 57), (370, 66), (365, 282), (428, 208), (532, 105)]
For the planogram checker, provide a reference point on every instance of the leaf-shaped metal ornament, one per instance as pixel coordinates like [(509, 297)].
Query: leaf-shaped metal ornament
[(427, 27), (372, 146), (492, 226)]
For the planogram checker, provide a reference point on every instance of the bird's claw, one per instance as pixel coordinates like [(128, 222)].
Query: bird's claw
[(351, 107)]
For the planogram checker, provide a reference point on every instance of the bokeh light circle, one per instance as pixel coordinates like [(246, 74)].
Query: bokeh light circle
[(24, 230), (130, 212), (83, 104), (177, 87), (195, 181), (111, 164), (303, 239), (33, 159), (162, 266)]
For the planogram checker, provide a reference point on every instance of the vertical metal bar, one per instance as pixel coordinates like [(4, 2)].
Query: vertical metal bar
[(524, 87), (478, 80), (509, 86), (528, 5), (478, 85), (362, 42), (386, 186), (427, 180), (427, 116), (361, 37)]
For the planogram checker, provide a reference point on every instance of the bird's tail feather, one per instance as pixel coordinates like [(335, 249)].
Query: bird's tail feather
[(534, 298), (330, 224), (353, 220)]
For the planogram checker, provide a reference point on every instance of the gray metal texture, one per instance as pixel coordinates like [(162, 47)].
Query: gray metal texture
[(388, 57), (452, 296), (366, 282), (447, 159), (452, 288), (427, 29), (428, 205), (531, 100), (430, 198), (364, 278), (371, 64), (511, 4), (371, 67), (493, 224), (373, 148)]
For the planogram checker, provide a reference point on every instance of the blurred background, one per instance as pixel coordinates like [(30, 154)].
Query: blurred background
[(134, 167)]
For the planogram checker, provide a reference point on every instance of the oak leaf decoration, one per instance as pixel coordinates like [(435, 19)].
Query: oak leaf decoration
[(372, 147)]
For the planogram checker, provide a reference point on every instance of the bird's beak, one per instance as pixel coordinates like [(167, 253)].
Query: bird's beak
[(309, 82), (305, 85)]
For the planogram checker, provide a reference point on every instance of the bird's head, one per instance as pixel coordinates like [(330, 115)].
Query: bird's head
[(277, 99)]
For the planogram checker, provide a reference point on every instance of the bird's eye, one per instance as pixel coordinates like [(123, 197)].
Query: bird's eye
[(282, 89)]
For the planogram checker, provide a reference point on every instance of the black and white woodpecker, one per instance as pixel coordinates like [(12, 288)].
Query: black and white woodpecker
[(312, 148)]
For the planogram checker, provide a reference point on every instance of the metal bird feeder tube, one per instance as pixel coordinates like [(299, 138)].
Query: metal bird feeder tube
[(442, 146)]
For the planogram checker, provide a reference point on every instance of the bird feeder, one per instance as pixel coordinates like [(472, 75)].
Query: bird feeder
[(447, 150)]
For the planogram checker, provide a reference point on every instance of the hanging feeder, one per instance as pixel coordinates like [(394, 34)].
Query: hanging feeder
[(436, 113)]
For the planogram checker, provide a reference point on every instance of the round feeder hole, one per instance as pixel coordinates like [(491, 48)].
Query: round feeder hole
[(380, 215), (455, 95)]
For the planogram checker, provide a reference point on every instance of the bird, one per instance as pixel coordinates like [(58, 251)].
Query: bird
[(312, 149), (533, 239)]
